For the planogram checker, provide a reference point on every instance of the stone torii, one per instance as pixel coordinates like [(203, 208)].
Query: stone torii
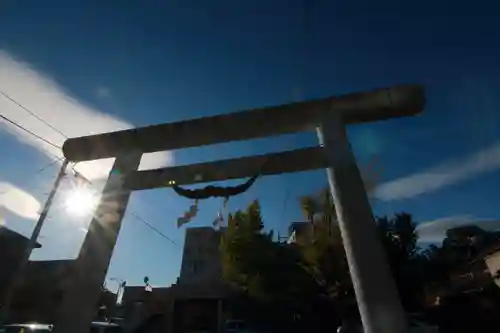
[(376, 295)]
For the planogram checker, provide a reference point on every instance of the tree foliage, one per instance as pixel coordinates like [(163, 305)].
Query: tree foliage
[(308, 283), (268, 274)]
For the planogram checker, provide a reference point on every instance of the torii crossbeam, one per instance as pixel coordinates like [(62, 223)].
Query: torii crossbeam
[(374, 286)]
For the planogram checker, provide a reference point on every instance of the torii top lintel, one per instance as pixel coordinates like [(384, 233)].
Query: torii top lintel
[(398, 101)]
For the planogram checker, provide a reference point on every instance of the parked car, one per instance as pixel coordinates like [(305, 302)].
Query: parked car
[(236, 326), (96, 327), (418, 324), (26, 328), (105, 327)]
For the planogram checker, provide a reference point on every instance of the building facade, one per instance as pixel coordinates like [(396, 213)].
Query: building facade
[(196, 301), (201, 262), (40, 291), (12, 248)]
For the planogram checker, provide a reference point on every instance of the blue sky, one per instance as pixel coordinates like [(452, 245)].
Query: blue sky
[(95, 66)]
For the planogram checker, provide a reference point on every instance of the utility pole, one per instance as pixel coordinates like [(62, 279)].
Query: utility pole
[(4, 310)]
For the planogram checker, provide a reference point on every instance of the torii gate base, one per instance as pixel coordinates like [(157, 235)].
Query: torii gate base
[(377, 298)]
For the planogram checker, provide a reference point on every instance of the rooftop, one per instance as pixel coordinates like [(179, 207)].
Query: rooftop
[(10, 235)]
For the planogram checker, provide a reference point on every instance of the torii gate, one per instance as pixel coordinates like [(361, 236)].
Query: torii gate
[(374, 286)]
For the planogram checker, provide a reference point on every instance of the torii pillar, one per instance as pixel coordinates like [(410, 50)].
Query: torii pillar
[(377, 297)]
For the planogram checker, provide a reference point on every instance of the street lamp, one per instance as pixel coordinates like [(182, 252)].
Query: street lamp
[(121, 287)]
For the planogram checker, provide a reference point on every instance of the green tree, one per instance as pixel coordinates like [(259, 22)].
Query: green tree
[(326, 257), (322, 250), (241, 248), (308, 282), (399, 238), (273, 282)]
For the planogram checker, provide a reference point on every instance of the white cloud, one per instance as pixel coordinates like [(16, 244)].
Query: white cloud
[(440, 176), (435, 231), (18, 201), (103, 92), (50, 101)]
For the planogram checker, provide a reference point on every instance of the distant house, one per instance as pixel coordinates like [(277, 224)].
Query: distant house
[(12, 248), (492, 261), (137, 296), (138, 304), (300, 232), (41, 290), (478, 273)]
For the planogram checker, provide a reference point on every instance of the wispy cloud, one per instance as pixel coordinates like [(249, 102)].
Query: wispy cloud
[(103, 92), (18, 201), (50, 101), (440, 175), (435, 231)]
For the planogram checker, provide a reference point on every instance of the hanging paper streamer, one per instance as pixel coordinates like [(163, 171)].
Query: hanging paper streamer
[(219, 220), (188, 216)]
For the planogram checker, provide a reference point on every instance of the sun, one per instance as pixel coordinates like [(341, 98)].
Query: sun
[(80, 201)]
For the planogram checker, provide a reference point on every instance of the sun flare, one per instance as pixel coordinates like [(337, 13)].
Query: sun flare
[(80, 201)]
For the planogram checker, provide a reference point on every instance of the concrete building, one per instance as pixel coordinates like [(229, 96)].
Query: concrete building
[(201, 261), (38, 296), (197, 301), (40, 291), (200, 295)]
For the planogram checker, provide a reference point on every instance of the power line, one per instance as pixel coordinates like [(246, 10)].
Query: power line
[(140, 219), (32, 133), (29, 132), (42, 169), (48, 165), (134, 214), (32, 113), (58, 159), (45, 167)]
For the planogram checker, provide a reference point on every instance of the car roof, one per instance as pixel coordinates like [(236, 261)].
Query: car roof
[(29, 325), (104, 324), (47, 326)]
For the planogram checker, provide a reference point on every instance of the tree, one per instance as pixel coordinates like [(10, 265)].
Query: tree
[(326, 257), (241, 247), (323, 252), (308, 282), (274, 286), (399, 238)]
